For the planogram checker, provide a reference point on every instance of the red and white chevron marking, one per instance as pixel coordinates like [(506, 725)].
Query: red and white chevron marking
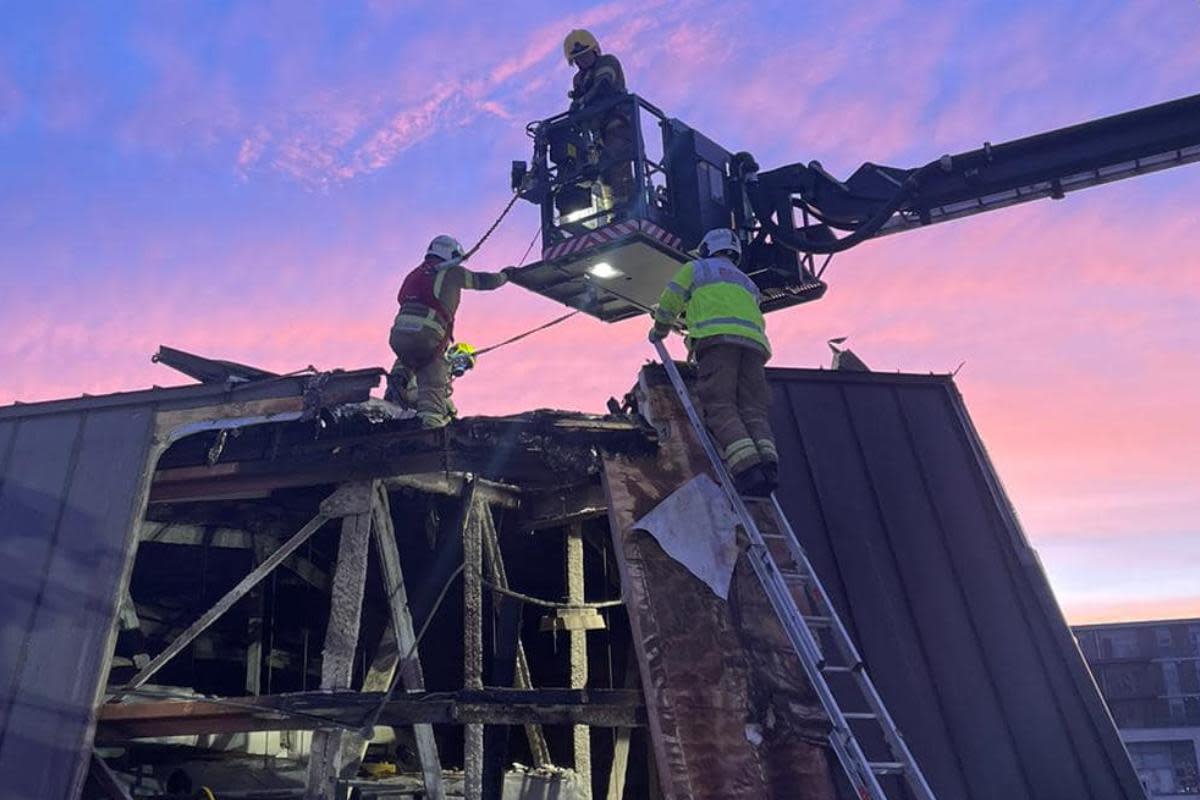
[(607, 234)]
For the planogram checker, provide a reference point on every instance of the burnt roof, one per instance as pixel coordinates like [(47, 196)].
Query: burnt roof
[(338, 386)]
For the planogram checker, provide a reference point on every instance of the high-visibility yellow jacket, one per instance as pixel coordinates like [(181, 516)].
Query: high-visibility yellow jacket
[(718, 299)]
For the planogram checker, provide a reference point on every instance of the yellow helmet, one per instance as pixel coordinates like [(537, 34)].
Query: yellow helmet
[(579, 42), (460, 358)]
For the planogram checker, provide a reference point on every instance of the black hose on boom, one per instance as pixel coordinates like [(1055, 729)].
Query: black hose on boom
[(792, 241)]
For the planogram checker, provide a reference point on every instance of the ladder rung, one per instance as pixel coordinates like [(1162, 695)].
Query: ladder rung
[(824, 622), (795, 577), (887, 767), (859, 715), (841, 670)]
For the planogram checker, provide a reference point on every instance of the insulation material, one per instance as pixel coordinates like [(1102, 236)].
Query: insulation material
[(730, 713), (696, 527)]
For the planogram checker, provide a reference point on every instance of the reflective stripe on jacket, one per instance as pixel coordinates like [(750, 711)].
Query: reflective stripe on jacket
[(717, 298), (431, 293), (602, 80)]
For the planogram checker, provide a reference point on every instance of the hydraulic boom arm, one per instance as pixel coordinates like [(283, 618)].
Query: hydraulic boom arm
[(878, 200)]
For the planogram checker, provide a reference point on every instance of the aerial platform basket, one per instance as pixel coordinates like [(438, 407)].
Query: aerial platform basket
[(611, 255)]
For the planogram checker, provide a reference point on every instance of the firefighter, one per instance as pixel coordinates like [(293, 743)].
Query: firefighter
[(599, 77), (727, 334), (424, 327)]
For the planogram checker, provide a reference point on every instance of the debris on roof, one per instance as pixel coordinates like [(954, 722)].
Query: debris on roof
[(208, 370), (200, 520)]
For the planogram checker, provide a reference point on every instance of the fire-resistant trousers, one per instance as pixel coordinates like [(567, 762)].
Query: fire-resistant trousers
[(735, 401), (422, 351)]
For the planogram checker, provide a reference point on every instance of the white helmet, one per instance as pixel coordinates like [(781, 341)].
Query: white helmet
[(445, 247), (721, 240)]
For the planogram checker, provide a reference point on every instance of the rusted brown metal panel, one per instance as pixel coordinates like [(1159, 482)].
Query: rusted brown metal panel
[(729, 710)]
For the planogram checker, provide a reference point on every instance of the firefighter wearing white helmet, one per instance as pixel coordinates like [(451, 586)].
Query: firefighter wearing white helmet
[(727, 333), (424, 327)]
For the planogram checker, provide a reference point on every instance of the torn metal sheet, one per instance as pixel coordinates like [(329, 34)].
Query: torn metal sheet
[(696, 526), (208, 370)]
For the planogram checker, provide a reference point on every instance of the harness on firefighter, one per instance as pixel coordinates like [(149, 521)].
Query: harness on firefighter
[(418, 289)]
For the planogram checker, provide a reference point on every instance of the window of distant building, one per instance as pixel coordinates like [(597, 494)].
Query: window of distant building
[(1191, 710), (1166, 767), (1170, 672), (1119, 644), (1163, 636)]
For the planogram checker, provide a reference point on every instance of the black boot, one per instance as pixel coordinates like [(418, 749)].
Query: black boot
[(751, 482), (770, 471)]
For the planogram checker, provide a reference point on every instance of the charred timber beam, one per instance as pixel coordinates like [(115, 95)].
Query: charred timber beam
[(452, 484), (330, 748), (606, 708), (240, 480), (562, 505), (340, 503), (472, 536), (263, 458), (406, 659)]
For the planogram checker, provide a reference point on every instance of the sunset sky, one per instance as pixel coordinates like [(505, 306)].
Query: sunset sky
[(252, 180)]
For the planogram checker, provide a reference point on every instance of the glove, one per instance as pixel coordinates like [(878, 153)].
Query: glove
[(658, 333), (508, 272)]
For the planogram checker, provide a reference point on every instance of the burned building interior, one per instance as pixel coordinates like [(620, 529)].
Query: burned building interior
[(276, 590)]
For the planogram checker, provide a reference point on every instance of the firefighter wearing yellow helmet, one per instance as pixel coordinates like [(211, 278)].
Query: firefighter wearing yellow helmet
[(599, 77), (599, 74)]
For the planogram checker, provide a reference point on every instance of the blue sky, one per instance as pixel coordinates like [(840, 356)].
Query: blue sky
[(252, 180)]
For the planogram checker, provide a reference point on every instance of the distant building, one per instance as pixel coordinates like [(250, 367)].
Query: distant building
[(1149, 672)]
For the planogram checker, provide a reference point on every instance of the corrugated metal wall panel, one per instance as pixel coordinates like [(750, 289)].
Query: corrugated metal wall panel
[(900, 510), (70, 487)]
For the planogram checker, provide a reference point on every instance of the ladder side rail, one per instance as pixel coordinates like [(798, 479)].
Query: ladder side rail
[(845, 744), (842, 635)]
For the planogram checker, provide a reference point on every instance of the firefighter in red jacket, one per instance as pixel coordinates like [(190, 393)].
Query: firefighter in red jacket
[(424, 327)]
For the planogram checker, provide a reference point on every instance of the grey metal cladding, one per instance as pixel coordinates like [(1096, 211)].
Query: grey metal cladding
[(72, 476), (891, 493), (69, 488)]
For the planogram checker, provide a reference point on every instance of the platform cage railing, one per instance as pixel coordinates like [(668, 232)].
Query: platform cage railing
[(592, 168), (606, 164)]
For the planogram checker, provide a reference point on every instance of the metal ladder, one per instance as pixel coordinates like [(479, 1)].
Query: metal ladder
[(862, 773)]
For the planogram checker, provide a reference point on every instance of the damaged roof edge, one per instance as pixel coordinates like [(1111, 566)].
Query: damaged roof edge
[(334, 387)]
